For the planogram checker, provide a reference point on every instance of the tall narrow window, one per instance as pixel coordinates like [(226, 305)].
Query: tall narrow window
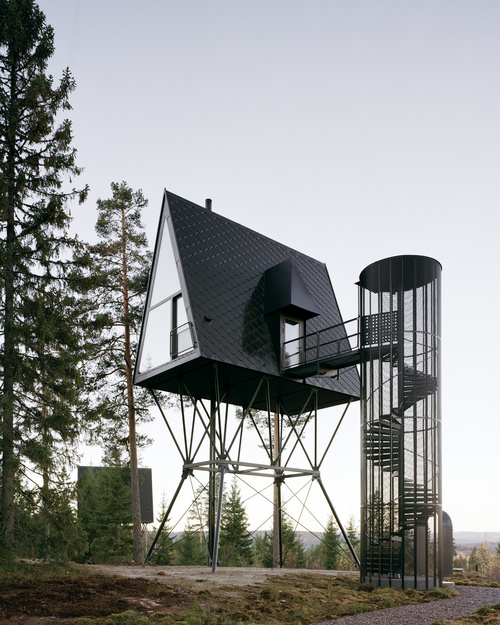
[(292, 342), (181, 339)]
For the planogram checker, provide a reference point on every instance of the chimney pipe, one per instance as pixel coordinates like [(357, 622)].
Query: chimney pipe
[(208, 204)]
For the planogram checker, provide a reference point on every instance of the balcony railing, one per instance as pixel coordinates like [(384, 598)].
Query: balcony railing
[(181, 340), (321, 351)]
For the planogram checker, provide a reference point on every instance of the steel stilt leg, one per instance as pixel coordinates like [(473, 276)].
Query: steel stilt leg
[(346, 538), (162, 524)]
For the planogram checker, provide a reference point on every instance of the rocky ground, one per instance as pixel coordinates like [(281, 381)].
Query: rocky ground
[(112, 589)]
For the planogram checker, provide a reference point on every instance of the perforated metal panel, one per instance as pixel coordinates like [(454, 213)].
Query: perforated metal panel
[(401, 495)]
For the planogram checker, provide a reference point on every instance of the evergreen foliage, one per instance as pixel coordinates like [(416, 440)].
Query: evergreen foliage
[(56, 534), (331, 546), (294, 554), (346, 560), (235, 545), (116, 289), (104, 513), (41, 344), (191, 548), (164, 555)]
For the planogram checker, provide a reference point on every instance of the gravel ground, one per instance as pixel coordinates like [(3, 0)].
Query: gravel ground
[(193, 575), (471, 599)]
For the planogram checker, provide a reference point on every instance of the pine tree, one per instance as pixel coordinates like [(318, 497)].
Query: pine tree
[(235, 545), (104, 512), (164, 555), (190, 547), (331, 546), (263, 550), (121, 264), (35, 156), (66, 538), (473, 559), (294, 555), (346, 561)]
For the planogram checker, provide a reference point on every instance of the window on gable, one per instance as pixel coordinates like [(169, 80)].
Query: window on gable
[(292, 342), (181, 339), (166, 332)]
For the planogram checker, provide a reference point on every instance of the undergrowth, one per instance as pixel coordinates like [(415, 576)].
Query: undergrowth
[(294, 599), (291, 599), (473, 578), (490, 615), (37, 571)]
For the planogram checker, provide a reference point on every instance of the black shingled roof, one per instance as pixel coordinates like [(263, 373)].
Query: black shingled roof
[(223, 265)]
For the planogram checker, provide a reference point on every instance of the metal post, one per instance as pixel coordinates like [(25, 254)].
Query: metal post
[(211, 483), (162, 524), (277, 542), (280, 525), (346, 538)]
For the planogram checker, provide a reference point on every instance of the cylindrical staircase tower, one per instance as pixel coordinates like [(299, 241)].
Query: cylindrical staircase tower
[(401, 422)]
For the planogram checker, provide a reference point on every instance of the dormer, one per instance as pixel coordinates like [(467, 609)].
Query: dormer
[(288, 304)]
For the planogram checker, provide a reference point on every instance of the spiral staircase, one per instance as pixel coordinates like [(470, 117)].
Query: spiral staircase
[(384, 448)]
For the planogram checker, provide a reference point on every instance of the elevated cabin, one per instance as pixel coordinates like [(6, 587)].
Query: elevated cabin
[(225, 301)]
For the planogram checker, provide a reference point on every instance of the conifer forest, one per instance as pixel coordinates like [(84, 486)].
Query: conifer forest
[(70, 313)]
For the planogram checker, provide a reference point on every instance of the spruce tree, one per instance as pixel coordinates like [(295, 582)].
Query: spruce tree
[(164, 554), (191, 549), (331, 546), (116, 289), (263, 550), (346, 561), (294, 555), (62, 537), (104, 512), (235, 545), (36, 156)]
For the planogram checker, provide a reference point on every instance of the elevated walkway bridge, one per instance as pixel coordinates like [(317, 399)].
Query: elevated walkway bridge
[(326, 351)]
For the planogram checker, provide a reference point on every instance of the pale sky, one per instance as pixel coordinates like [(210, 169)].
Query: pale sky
[(351, 130)]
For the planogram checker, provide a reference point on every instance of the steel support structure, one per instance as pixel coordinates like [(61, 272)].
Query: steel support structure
[(208, 443), (401, 423)]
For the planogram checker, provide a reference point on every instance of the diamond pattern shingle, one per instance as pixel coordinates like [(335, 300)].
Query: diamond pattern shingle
[(223, 264)]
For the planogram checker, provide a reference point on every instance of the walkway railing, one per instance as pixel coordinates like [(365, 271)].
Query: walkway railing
[(322, 347)]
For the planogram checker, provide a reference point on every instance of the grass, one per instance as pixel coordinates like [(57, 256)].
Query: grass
[(490, 615), (474, 578), (291, 599)]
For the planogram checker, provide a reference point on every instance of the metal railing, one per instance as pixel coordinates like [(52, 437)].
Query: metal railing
[(181, 340), (331, 342)]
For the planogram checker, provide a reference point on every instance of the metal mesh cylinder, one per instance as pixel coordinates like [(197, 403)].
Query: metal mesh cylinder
[(401, 422)]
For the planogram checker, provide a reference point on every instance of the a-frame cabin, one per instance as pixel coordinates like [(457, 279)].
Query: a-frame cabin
[(222, 294)]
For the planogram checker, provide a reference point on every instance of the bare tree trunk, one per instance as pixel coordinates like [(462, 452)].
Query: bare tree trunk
[(45, 471), (9, 463), (8, 459), (134, 468)]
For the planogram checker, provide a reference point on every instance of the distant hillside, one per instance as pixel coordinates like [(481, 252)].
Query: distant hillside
[(461, 538), (476, 537)]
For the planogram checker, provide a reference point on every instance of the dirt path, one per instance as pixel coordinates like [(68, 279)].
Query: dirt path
[(224, 576)]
